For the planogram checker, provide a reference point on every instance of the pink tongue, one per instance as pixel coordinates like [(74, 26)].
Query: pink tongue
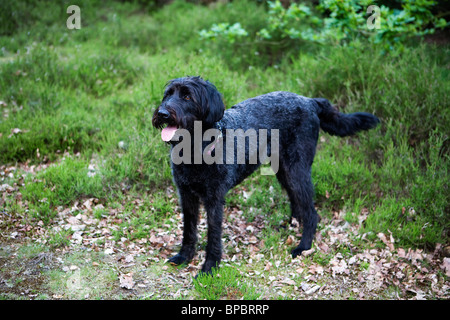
[(168, 132)]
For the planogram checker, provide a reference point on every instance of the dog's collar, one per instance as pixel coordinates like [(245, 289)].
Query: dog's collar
[(217, 139)]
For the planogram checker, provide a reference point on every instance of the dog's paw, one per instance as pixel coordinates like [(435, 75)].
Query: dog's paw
[(177, 260), (207, 270), (209, 266), (297, 252), (203, 274)]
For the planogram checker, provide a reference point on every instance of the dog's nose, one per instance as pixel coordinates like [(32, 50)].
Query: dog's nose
[(163, 114)]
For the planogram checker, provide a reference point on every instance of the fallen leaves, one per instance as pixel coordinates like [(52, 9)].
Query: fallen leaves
[(16, 131), (339, 265), (126, 281), (309, 289), (389, 243), (446, 266), (6, 188), (308, 252), (342, 263)]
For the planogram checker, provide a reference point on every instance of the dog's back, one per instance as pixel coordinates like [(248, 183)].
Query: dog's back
[(275, 110), (284, 110)]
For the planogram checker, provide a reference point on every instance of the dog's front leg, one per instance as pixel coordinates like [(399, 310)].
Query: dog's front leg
[(189, 206), (214, 211)]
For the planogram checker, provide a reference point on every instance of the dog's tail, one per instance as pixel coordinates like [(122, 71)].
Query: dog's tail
[(340, 124)]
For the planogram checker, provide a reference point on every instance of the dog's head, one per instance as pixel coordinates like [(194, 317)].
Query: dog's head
[(187, 100)]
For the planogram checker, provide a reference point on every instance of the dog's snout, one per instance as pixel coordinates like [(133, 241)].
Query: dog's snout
[(163, 114)]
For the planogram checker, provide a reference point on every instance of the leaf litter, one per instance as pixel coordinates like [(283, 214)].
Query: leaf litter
[(342, 264)]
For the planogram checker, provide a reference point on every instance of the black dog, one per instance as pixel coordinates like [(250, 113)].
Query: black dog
[(297, 120)]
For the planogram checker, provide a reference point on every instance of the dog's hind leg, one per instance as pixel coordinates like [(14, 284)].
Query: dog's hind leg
[(310, 218), (190, 208), (297, 182), (285, 183)]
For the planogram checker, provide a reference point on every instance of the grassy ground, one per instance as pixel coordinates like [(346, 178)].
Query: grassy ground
[(88, 207)]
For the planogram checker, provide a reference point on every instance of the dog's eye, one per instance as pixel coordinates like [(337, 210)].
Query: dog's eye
[(187, 97)]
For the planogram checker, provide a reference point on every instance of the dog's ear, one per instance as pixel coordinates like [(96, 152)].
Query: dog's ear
[(213, 105)]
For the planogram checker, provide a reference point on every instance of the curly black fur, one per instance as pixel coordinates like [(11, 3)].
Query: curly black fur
[(298, 120)]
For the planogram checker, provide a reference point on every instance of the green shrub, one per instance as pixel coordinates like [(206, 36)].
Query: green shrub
[(342, 21)]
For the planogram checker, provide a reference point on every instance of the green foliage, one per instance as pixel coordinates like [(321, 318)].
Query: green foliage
[(231, 33), (342, 21), (415, 19), (13, 13), (280, 20)]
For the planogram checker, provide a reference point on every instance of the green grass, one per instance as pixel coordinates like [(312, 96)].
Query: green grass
[(85, 97), (226, 283)]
